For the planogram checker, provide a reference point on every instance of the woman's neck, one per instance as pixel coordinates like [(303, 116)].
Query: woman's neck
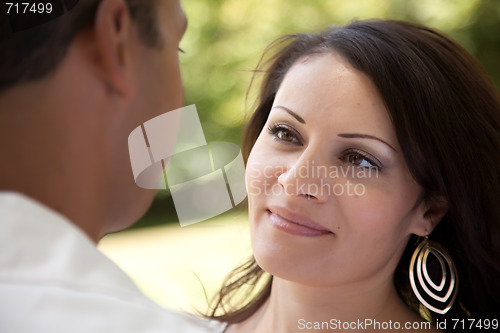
[(293, 307)]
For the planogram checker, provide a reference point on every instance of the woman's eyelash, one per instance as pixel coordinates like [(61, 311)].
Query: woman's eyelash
[(284, 133), (356, 156)]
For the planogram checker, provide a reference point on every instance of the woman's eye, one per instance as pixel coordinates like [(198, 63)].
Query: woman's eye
[(361, 159), (283, 134)]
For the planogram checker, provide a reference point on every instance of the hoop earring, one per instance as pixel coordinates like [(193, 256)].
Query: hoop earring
[(435, 297)]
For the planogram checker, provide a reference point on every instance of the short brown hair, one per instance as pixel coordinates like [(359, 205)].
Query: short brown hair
[(36, 52)]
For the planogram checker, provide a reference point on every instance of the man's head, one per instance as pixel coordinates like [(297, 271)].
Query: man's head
[(35, 52), (71, 91)]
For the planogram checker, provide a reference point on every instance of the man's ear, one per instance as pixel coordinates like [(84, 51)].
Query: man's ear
[(113, 33), (429, 213)]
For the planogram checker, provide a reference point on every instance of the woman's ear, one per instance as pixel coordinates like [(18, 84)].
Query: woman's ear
[(429, 213)]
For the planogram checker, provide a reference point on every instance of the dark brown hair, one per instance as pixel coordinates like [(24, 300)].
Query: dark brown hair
[(33, 53), (446, 114)]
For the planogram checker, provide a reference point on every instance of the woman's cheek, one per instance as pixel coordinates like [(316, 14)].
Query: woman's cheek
[(370, 211), (262, 173), (253, 178), (254, 187)]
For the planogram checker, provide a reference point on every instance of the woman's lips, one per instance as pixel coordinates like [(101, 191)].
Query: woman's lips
[(294, 224)]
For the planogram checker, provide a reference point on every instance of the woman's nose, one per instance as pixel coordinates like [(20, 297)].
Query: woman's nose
[(306, 178)]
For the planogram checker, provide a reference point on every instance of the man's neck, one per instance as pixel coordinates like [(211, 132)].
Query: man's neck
[(40, 161)]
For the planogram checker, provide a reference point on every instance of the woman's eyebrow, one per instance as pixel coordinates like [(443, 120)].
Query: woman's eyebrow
[(342, 135), (364, 136), (293, 114)]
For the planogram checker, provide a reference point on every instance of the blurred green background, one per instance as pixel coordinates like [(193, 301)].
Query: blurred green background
[(225, 39)]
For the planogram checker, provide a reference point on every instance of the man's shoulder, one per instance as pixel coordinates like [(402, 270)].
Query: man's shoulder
[(40, 247), (54, 309), (53, 279)]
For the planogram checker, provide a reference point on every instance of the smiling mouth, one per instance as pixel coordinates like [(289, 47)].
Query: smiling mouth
[(299, 228)]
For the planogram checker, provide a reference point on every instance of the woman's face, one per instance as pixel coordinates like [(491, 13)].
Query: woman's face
[(331, 199)]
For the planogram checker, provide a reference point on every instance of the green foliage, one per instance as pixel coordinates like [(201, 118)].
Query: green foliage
[(226, 38)]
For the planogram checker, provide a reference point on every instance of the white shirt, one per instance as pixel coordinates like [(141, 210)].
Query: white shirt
[(54, 280)]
